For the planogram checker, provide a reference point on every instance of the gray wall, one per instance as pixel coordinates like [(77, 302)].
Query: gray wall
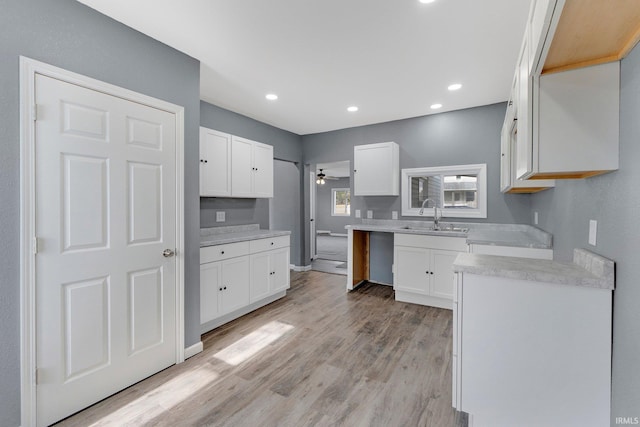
[(614, 201), (286, 146), (324, 219), (284, 207), (453, 138), (68, 34)]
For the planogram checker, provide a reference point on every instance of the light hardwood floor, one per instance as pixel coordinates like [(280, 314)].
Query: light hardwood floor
[(318, 357)]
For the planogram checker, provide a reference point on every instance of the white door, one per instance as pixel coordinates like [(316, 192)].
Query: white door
[(263, 170), (106, 211), (242, 167)]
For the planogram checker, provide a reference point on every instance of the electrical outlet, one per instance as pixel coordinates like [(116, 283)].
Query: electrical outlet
[(369, 214), (593, 230), (535, 218), (358, 215), (220, 216), (394, 214)]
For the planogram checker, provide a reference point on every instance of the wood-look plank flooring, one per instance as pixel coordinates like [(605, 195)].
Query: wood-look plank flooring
[(318, 357)]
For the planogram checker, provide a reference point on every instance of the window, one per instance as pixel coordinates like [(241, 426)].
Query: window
[(341, 202), (460, 191)]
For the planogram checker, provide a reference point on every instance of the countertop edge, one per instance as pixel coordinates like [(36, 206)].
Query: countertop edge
[(226, 238)]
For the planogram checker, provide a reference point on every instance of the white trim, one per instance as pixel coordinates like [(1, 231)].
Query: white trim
[(28, 69), (479, 169), (299, 267), (193, 350)]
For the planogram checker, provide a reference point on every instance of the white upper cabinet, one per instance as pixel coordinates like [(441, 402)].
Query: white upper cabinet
[(231, 166), (567, 105), (509, 183), (251, 168), (376, 169), (215, 161)]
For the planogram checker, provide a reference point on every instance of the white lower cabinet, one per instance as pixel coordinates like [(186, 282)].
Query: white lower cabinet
[(531, 353), (237, 278), (423, 268), (269, 273)]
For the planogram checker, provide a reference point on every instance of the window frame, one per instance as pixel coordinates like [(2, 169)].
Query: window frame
[(333, 201), (480, 170)]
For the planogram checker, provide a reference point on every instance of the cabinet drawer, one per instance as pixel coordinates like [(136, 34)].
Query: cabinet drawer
[(431, 242), (261, 245), (220, 252)]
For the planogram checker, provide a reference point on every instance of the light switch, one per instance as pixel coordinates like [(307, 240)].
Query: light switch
[(535, 218), (394, 214), (358, 215), (593, 230), (220, 216), (370, 214)]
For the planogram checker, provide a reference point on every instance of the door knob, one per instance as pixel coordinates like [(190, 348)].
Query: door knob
[(167, 253)]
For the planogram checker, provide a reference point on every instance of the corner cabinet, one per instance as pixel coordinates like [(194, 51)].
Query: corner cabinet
[(231, 166), (376, 169), (237, 278), (423, 268)]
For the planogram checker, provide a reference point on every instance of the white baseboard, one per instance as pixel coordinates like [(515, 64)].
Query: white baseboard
[(193, 350), (299, 267)]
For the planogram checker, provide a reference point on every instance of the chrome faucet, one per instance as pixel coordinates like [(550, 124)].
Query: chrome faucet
[(436, 216)]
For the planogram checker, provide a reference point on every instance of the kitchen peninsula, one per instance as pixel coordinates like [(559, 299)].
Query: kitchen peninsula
[(422, 259)]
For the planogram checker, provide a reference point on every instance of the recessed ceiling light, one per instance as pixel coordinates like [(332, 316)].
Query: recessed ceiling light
[(436, 106), (271, 96), (352, 109), (454, 86), (426, 1)]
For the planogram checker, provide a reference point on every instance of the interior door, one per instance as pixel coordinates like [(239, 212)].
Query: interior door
[(312, 214), (106, 203)]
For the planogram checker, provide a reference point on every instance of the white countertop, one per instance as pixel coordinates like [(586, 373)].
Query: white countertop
[(236, 233), (517, 235), (587, 269)]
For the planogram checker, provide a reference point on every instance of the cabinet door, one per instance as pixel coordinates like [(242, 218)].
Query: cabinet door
[(263, 170), (215, 162), (412, 272), (260, 276), (235, 284), (242, 167), (442, 269), (524, 148), (375, 170), (210, 290), (280, 269), (505, 155)]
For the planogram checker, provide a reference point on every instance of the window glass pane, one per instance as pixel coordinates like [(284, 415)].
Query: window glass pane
[(460, 191), (341, 201), (426, 187)]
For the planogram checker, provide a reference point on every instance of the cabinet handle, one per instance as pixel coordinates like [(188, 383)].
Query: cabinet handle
[(205, 161), (271, 243), (256, 169), (201, 161), (222, 252), (225, 288), (429, 273), (354, 171), (219, 289)]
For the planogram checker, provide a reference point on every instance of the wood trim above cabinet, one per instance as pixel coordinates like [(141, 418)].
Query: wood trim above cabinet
[(592, 32)]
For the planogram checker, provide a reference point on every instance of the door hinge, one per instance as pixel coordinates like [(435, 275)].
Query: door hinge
[(37, 376), (34, 112), (35, 246)]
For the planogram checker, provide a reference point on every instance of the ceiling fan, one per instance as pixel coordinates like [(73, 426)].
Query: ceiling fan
[(322, 177)]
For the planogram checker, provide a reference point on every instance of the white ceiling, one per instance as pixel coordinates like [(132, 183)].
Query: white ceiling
[(391, 58)]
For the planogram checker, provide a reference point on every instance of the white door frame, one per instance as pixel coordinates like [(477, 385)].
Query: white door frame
[(312, 214), (28, 245)]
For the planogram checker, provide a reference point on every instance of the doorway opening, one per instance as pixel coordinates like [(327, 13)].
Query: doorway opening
[(332, 202)]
